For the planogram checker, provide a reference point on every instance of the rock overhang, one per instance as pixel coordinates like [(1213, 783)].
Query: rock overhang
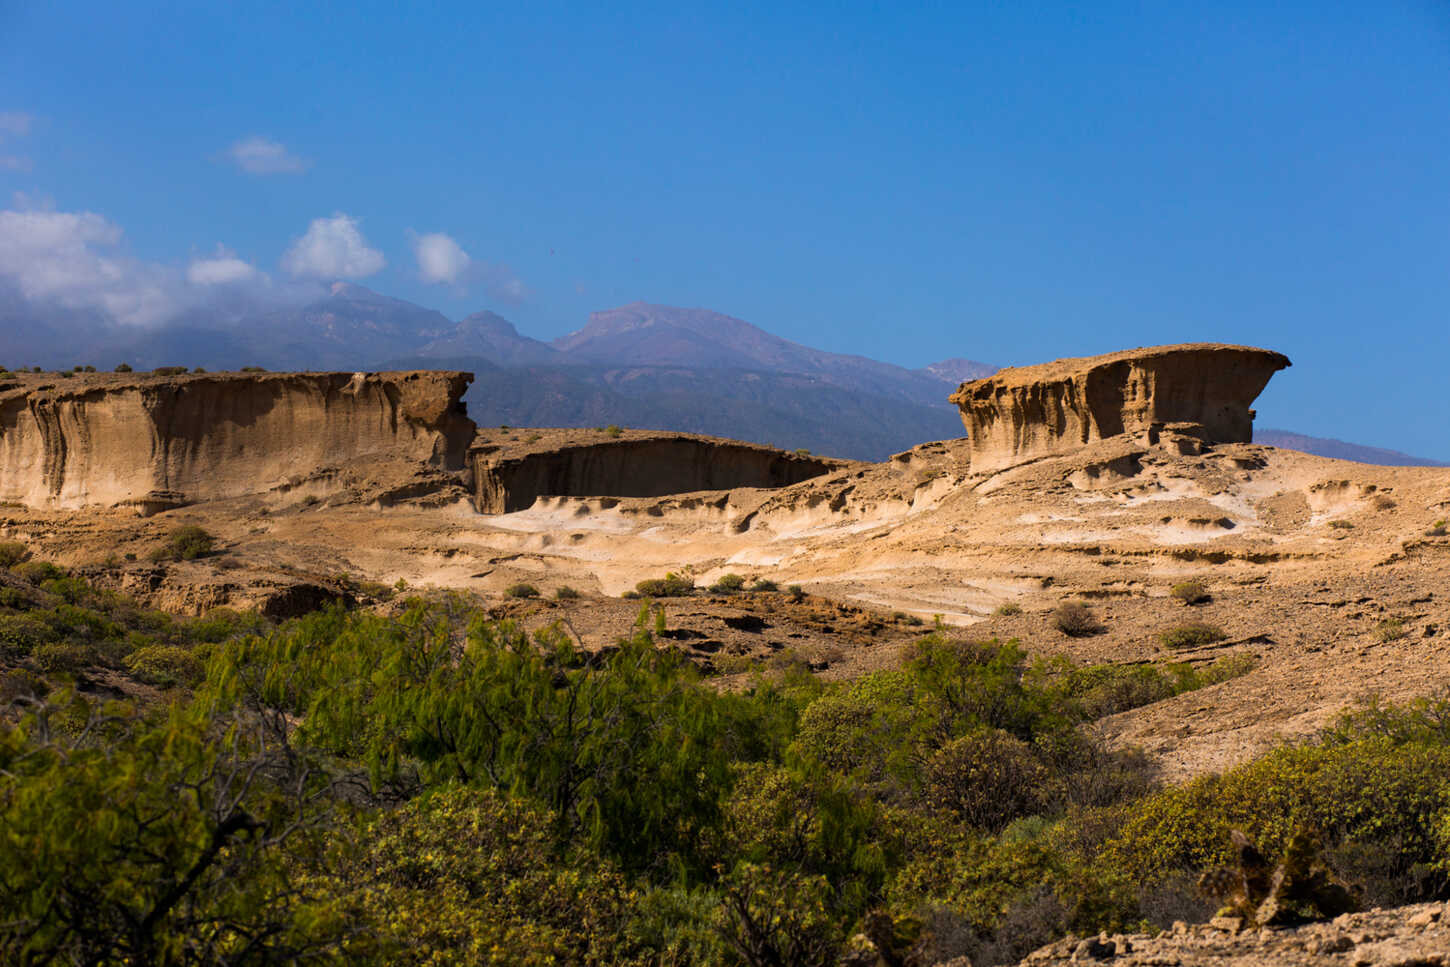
[(1202, 391), (157, 440)]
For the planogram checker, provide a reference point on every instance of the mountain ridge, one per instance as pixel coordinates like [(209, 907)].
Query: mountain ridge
[(636, 364)]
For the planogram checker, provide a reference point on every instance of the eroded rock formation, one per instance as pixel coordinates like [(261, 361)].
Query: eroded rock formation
[(1197, 390), (154, 441), (509, 477)]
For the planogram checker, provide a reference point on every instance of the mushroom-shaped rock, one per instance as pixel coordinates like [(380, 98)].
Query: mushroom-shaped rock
[(1202, 390)]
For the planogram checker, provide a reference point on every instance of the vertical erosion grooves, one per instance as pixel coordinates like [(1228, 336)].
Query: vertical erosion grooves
[(138, 440), (652, 467), (1203, 390)]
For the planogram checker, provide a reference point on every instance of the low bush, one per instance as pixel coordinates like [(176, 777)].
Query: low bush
[(521, 590), (186, 543), (565, 593), (1191, 635), (1438, 529), (1008, 610), (670, 586), (36, 572), (61, 657), (1075, 620), (12, 553), (764, 584), (728, 583), (986, 779), (165, 666), (1391, 629), (796, 592), (1192, 592)]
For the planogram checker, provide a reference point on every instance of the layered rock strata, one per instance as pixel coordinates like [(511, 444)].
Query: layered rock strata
[(152, 441), (1202, 391), (510, 476)]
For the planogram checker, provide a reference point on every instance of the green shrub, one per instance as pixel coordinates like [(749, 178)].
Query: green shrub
[(36, 572), (1191, 635), (12, 553), (21, 634), (521, 590), (1438, 529), (1008, 609), (1192, 592), (1075, 619), (986, 779), (565, 593), (474, 870), (169, 370), (670, 586), (253, 369), (61, 657), (764, 584), (186, 543), (165, 666), (1341, 525), (728, 583), (123, 367), (613, 431), (1391, 629), (796, 592)]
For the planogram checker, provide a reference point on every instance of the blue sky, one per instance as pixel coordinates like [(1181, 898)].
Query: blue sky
[(1006, 182)]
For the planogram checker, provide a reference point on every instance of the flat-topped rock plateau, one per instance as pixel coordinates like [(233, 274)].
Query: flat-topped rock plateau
[(1330, 574)]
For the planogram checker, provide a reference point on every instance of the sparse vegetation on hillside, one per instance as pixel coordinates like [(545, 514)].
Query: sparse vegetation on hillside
[(437, 787), (1191, 635), (1192, 592), (670, 586), (186, 543), (1075, 619)]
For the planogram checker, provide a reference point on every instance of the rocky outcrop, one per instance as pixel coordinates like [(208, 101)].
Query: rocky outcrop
[(509, 477), (153, 442), (1198, 390), (1414, 936)]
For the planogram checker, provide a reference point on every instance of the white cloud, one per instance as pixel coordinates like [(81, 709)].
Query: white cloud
[(440, 258), (224, 268), (15, 122), (333, 248), (506, 287), (263, 156), (72, 259)]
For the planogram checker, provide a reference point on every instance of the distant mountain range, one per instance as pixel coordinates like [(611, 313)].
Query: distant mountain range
[(638, 365)]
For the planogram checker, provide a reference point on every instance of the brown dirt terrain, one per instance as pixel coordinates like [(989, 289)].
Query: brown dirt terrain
[(1310, 563)]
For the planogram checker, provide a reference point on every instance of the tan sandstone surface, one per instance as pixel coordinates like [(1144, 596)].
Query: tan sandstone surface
[(1199, 390), (1326, 571), (153, 441)]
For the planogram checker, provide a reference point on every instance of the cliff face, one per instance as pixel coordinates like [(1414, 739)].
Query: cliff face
[(155, 441), (641, 464), (1202, 390)]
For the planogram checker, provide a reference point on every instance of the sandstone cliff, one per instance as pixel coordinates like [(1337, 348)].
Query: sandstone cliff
[(154, 441), (1200, 390), (509, 475)]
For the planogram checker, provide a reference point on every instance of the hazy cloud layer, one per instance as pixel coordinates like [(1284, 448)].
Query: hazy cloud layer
[(263, 156), (333, 248), (502, 285), (73, 259), (78, 261), (14, 123), (440, 258), (224, 268)]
